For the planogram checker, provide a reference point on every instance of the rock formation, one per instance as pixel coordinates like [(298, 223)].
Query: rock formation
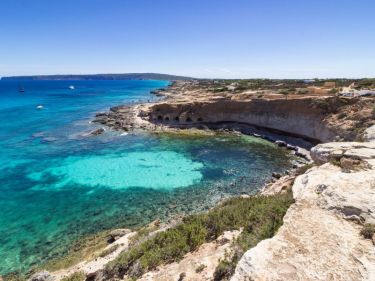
[(323, 119), (320, 238)]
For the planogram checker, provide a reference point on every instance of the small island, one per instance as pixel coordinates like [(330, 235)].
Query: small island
[(327, 195)]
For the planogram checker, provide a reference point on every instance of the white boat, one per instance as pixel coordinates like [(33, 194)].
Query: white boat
[(71, 87), (39, 107)]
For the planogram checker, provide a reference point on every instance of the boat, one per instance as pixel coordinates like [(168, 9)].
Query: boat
[(71, 87), (21, 89), (39, 107)]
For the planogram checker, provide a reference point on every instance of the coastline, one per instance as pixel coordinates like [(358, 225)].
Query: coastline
[(137, 118)]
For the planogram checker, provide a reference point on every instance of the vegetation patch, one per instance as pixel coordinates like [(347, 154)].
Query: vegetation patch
[(84, 249), (335, 162), (108, 251), (258, 216), (76, 276), (301, 170)]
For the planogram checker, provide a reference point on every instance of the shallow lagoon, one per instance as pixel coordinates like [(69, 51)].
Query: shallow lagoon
[(57, 186)]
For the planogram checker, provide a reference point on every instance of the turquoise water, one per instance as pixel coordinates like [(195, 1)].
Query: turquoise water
[(58, 185)]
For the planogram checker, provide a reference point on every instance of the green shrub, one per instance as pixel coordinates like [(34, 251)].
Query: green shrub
[(76, 276), (341, 115), (14, 276), (224, 270), (83, 249), (259, 216), (368, 231)]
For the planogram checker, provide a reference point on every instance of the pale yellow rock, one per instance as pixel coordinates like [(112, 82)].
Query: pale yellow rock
[(369, 134), (207, 255), (320, 238)]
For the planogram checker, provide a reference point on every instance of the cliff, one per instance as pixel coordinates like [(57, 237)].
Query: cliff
[(327, 233), (124, 76), (322, 237)]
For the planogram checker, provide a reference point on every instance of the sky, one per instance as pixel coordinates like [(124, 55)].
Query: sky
[(198, 38)]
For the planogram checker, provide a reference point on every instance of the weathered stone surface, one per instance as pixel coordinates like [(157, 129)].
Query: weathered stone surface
[(42, 276), (207, 255), (93, 268), (117, 234), (369, 134), (320, 238)]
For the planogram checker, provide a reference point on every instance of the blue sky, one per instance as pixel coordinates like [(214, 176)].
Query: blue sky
[(212, 38)]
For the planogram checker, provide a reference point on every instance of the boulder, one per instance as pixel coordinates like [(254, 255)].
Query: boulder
[(320, 237), (117, 234)]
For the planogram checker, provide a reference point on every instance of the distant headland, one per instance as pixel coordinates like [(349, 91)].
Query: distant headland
[(123, 76)]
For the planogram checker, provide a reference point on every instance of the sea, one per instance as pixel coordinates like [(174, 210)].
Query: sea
[(58, 184)]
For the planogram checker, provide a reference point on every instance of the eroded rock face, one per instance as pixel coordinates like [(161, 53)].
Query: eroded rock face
[(320, 238)]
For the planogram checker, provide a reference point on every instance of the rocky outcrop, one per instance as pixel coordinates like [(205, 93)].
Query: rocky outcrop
[(94, 133), (369, 134), (119, 240), (199, 265), (320, 238), (42, 276)]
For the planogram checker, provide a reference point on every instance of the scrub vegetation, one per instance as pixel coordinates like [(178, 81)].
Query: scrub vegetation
[(83, 249)]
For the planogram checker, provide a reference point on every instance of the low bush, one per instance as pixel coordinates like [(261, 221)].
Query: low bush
[(108, 251), (83, 249), (368, 231), (76, 276), (200, 268), (258, 216)]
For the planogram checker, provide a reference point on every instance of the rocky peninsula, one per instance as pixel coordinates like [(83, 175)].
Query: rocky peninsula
[(328, 229)]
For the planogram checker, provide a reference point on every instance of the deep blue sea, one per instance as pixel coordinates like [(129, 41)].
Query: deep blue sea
[(58, 185)]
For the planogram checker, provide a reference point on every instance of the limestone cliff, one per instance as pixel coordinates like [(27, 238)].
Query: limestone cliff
[(320, 238)]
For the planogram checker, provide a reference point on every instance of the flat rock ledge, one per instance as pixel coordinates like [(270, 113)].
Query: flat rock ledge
[(320, 238)]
